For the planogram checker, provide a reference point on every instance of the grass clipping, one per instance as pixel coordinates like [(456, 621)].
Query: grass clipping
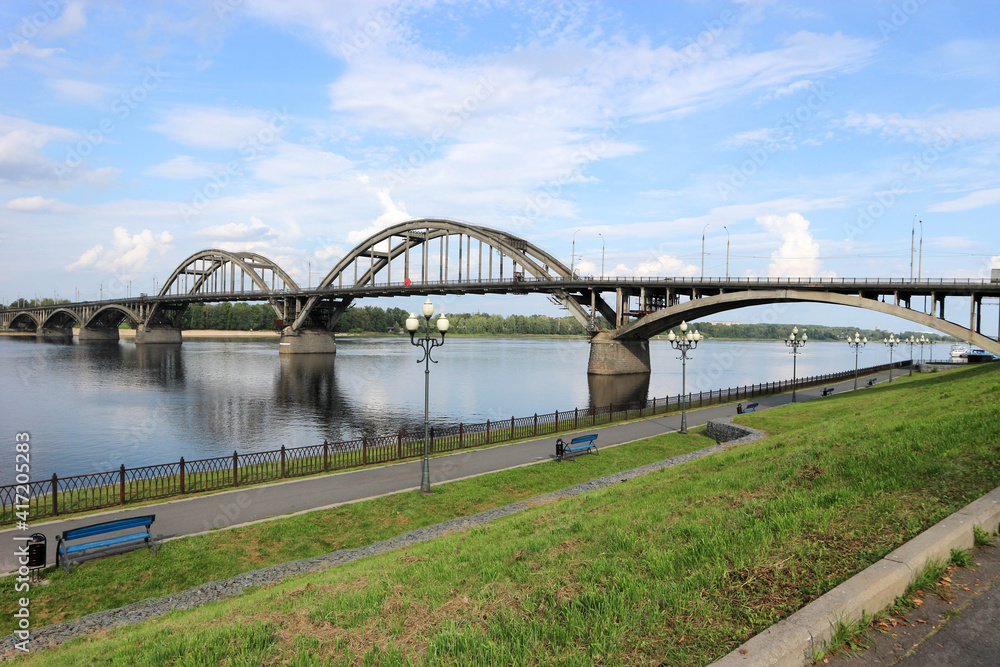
[(678, 567)]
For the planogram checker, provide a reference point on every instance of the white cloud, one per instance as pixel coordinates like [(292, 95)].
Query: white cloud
[(71, 21), (969, 124), (393, 213), (662, 265), (36, 203), (294, 163), (798, 254), (233, 231), (83, 92), (184, 167), (968, 202), (26, 49), (128, 252), (21, 157), (208, 127)]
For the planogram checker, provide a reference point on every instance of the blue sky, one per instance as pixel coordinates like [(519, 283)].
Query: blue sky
[(811, 136)]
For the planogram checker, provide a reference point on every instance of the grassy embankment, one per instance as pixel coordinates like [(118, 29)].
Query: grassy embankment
[(677, 567)]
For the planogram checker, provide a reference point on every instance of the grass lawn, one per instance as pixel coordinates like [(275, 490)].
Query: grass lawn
[(677, 567), (182, 564)]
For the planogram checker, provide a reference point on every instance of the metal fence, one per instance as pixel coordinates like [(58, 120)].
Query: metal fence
[(79, 493)]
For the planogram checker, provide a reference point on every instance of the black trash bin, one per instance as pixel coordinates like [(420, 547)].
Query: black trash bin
[(36, 552)]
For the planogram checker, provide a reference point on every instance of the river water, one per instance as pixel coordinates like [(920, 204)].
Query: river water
[(91, 408)]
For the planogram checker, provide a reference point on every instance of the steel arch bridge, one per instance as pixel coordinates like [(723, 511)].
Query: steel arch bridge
[(440, 256)]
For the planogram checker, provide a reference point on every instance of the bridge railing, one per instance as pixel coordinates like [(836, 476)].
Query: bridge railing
[(78, 493)]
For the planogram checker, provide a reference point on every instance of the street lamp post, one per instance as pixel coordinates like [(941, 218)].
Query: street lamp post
[(856, 344), (427, 343), (913, 238), (891, 342), (688, 340), (921, 342), (795, 344), (911, 341)]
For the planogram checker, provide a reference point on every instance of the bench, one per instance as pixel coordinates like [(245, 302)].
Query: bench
[(583, 444), (751, 408), (828, 391), (872, 382), (64, 548)]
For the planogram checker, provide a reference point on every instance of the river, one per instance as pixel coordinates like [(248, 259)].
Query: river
[(90, 408)]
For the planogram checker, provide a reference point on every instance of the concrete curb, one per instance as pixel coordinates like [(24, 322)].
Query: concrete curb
[(794, 641)]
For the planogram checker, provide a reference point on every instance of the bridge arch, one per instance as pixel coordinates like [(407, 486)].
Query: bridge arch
[(224, 274), (25, 320), (667, 318), (60, 318), (375, 256), (111, 316)]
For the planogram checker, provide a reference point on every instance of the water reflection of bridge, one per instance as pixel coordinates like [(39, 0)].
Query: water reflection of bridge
[(433, 256)]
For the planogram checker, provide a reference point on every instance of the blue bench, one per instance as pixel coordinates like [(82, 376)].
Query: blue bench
[(751, 408), (64, 548), (581, 445)]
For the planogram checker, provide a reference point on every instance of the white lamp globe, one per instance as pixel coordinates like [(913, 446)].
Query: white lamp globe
[(443, 323), (428, 308), (412, 324)]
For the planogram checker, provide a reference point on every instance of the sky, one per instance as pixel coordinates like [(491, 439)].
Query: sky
[(811, 139)]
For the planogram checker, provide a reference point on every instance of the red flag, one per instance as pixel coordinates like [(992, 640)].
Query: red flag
[(407, 282)]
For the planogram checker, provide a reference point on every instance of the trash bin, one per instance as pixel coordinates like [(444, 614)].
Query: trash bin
[(36, 551)]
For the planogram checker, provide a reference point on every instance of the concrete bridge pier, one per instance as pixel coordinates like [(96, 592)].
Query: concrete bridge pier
[(95, 335), (307, 341), (611, 356), (157, 335)]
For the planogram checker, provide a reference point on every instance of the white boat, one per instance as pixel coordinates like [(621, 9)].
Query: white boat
[(959, 351)]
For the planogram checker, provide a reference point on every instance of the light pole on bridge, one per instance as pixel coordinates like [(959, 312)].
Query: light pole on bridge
[(727, 251), (426, 343), (795, 344), (572, 259), (856, 344), (688, 340), (602, 254), (703, 249)]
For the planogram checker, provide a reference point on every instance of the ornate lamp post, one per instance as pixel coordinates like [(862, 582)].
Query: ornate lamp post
[(891, 342), (856, 344), (688, 340), (795, 344), (911, 341), (427, 343)]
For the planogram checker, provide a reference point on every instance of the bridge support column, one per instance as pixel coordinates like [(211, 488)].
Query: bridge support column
[(609, 356), (157, 336), (307, 341), (88, 335)]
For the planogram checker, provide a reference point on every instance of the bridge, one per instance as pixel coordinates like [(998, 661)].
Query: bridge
[(438, 256)]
